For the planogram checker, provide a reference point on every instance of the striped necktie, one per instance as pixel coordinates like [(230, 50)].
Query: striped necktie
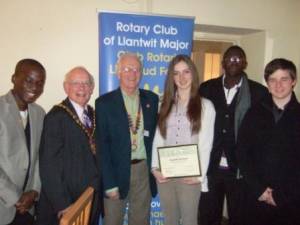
[(86, 120)]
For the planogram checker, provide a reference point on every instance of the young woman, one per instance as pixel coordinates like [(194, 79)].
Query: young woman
[(184, 118)]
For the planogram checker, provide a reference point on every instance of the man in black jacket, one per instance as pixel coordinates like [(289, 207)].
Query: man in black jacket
[(268, 151), (232, 95), (67, 154)]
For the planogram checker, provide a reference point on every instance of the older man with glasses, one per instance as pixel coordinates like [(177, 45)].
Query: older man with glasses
[(126, 121), (67, 155)]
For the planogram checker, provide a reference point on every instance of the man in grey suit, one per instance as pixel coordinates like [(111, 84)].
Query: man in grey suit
[(21, 122)]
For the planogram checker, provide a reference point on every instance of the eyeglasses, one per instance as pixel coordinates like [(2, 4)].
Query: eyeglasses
[(79, 84), (130, 69), (234, 59)]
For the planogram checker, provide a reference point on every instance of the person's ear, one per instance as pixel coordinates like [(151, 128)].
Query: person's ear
[(118, 75), (294, 83), (245, 64), (65, 85), (13, 78)]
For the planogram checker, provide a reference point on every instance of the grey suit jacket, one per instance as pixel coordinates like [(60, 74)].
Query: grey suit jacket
[(14, 154)]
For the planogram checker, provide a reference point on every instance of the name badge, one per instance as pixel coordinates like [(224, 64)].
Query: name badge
[(146, 133)]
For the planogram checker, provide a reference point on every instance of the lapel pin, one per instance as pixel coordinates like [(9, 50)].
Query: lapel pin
[(148, 106)]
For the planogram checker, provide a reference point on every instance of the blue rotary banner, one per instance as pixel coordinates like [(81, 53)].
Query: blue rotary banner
[(156, 40)]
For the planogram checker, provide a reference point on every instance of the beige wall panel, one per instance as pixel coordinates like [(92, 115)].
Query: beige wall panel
[(64, 33)]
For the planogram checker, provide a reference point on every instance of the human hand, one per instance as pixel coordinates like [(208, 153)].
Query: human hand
[(20, 209), (114, 195), (26, 201), (62, 212), (159, 177), (271, 200), (267, 197)]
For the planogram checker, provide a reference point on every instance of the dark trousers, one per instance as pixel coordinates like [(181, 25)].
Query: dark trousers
[(97, 208), (260, 213), (23, 219), (211, 203)]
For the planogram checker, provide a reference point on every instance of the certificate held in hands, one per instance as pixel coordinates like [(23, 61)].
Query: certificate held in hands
[(179, 161)]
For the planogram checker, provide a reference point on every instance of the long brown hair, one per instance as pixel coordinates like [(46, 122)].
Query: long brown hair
[(169, 97)]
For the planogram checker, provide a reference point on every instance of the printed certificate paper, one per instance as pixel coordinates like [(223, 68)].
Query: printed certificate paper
[(179, 161)]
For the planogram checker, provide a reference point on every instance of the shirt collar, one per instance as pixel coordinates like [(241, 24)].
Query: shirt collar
[(78, 108), (235, 86), (132, 97)]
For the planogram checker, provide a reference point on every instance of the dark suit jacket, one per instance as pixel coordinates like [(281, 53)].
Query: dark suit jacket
[(269, 152), (113, 138), (67, 165), (214, 91), (269, 156)]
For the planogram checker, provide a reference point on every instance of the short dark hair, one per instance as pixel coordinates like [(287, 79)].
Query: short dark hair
[(280, 64), (234, 48), (31, 62)]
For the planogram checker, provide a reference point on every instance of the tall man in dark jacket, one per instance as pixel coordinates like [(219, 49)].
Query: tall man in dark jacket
[(126, 122), (232, 95), (67, 155), (268, 150)]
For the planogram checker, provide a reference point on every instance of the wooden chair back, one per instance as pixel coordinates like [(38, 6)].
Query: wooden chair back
[(79, 213)]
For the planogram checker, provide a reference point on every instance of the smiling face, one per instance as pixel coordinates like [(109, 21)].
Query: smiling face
[(182, 76), (29, 80), (234, 63), (281, 85), (129, 73), (79, 86)]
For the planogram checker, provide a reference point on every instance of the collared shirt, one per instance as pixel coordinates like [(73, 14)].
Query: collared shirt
[(179, 130), (132, 105), (79, 110), (24, 117), (278, 112), (230, 93)]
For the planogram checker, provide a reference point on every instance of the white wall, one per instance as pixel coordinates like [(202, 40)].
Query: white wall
[(64, 33), (256, 59), (280, 19)]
